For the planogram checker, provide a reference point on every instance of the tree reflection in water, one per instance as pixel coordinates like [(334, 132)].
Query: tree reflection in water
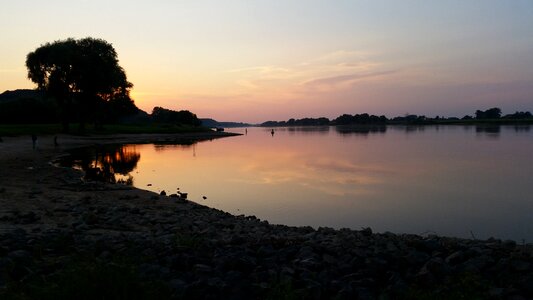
[(360, 129), (111, 164)]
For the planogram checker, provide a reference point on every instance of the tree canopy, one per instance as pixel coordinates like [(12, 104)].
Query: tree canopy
[(182, 117), (492, 113), (82, 75)]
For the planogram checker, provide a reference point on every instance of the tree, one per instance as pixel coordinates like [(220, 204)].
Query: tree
[(493, 113), (82, 74), (519, 115), (182, 117)]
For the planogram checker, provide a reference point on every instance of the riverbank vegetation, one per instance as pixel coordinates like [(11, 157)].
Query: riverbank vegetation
[(489, 116)]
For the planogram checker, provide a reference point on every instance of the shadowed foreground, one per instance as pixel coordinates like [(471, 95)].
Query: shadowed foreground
[(61, 238)]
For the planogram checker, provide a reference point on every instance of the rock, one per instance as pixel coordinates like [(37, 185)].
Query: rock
[(526, 284), (5, 264), (367, 231), (105, 254), (516, 297), (329, 259), (20, 256), (434, 269), (416, 257), (90, 218), (177, 287), (202, 269), (28, 218), (496, 293), (163, 193), (148, 270), (520, 265), (456, 258), (476, 264), (312, 289)]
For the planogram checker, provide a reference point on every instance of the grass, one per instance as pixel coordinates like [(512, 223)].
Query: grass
[(50, 129)]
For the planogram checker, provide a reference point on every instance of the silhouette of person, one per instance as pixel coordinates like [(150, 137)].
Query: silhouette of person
[(34, 140), (272, 132), (245, 131)]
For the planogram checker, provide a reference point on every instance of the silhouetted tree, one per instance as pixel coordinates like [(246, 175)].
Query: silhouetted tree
[(359, 119), (182, 117), (519, 115), (84, 72), (493, 113)]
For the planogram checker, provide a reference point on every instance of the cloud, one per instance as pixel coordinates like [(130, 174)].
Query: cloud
[(264, 70), (349, 79), (333, 70)]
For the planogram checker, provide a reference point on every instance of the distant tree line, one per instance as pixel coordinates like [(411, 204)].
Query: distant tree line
[(299, 122), (492, 114)]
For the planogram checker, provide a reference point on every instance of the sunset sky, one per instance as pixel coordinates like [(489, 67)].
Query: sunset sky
[(254, 61)]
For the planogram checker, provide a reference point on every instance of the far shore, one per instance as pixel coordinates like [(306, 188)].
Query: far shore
[(55, 229)]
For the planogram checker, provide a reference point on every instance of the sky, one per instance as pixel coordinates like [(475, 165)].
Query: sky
[(255, 60)]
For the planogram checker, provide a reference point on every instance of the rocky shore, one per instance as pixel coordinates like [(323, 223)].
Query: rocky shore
[(63, 238)]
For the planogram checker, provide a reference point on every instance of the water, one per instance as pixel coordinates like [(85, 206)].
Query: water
[(462, 181)]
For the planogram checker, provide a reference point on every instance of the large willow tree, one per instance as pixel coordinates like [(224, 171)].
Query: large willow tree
[(82, 75)]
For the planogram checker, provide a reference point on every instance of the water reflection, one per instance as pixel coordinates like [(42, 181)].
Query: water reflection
[(111, 164), (360, 130), (522, 128), (162, 147), (404, 179), (492, 131)]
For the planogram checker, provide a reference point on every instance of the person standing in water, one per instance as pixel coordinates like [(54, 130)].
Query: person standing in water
[(272, 132)]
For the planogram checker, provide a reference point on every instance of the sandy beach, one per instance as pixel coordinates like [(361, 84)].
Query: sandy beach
[(50, 220)]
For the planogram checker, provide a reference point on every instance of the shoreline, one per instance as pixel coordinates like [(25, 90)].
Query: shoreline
[(199, 252)]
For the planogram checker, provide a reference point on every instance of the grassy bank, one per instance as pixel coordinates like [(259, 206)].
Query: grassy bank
[(49, 129)]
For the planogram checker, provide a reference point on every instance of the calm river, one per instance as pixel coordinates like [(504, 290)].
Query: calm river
[(462, 181)]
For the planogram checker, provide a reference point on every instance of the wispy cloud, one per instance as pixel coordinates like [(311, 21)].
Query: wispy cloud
[(330, 67), (345, 79), (265, 70)]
